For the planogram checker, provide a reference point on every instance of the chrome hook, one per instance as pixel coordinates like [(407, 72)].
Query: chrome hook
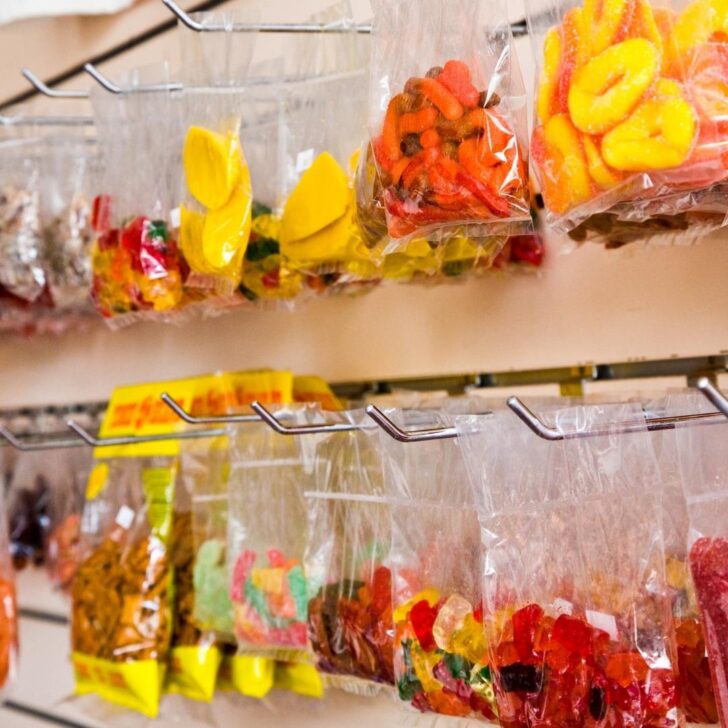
[(275, 424), (114, 88), (37, 445), (438, 433), (45, 120), (177, 408), (713, 395), (89, 439), (53, 93)]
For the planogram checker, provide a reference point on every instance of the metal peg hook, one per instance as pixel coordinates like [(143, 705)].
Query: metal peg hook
[(713, 395), (177, 408), (53, 93), (37, 445), (89, 439), (437, 433), (45, 120), (114, 88), (275, 424), (533, 422), (195, 25)]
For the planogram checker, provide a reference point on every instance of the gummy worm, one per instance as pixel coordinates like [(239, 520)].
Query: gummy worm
[(440, 97)]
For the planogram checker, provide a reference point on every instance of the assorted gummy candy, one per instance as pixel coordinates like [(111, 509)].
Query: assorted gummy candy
[(563, 672), (442, 657)]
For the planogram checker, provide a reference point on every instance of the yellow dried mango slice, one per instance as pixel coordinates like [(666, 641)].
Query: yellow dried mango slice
[(320, 198), (212, 164), (226, 231), (190, 239)]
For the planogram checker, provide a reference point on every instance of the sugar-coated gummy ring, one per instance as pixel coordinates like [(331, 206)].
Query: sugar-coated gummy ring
[(602, 21), (549, 79), (602, 175), (701, 21), (659, 135), (607, 88)]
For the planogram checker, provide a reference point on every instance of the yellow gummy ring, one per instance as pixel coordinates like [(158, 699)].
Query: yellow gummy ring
[(607, 88)]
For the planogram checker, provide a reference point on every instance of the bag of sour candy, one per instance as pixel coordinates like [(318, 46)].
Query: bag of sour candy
[(347, 560), (266, 541), (575, 606), (440, 654), (139, 271), (448, 124), (631, 138), (704, 470)]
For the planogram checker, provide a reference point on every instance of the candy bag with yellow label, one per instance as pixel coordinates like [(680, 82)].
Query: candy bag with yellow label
[(630, 139), (121, 598), (139, 269)]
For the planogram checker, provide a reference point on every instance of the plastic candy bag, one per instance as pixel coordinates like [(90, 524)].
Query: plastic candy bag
[(139, 271), (703, 465), (441, 657), (267, 537), (575, 606), (70, 176), (347, 561), (21, 269), (448, 124), (630, 134), (216, 216), (121, 612)]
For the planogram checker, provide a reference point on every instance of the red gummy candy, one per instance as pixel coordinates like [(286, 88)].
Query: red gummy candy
[(422, 618), (527, 249), (525, 625), (101, 213), (573, 634), (381, 589)]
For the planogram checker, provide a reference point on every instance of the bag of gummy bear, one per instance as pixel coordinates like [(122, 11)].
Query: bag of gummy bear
[(121, 597), (8, 607), (139, 271), (440, 654), (346, 560), (21, 244), (448, 123), (70, 176), (704, 471), (697, 698), (575, 606), (630, 139), (266, 541)]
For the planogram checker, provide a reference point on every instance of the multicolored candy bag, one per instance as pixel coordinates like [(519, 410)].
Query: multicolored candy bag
[(441, 657), (575, 606), (8, 607), (630, 139), (447, 125)]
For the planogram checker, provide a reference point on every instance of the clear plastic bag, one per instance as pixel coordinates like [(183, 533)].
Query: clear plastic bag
[(21, 244), (448, 123), (441, 656), (630, 133), (139, 271), (347, 560), (704, 469), (576, 610), (121, 609), (267, 538), (70, 176)]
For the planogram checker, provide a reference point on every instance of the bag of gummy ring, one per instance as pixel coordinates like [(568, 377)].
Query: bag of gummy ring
[(70, 177), (440, 654), (697, 697), (139, 271), (121, 597), (8, 607), (630, 134), (703, 468), (448, 122), (266, 542), (194, 657), (21, 244), (347, 560), (575, 605)]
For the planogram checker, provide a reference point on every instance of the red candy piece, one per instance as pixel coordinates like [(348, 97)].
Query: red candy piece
[(381, 589), (525, 625), (101, 213), (422, 617), (573, 634)]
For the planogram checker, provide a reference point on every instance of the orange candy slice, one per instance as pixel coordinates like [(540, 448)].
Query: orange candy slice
[(607, 88)]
